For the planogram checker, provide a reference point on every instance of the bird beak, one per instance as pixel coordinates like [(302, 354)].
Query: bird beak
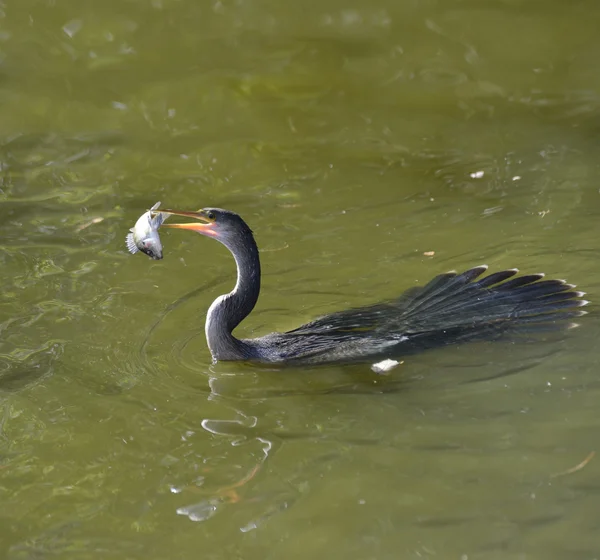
[(206, 228)]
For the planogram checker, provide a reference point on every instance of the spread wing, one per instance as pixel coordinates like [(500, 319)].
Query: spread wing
[(451, 308)]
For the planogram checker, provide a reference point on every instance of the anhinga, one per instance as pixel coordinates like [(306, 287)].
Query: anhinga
[(450, 308)]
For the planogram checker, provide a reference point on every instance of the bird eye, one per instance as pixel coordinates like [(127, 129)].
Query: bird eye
[(210, 215)]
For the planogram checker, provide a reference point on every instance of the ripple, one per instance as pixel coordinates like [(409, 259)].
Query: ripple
[(25, 366)]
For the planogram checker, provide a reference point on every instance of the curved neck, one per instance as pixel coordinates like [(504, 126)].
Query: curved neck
[(229, 310)]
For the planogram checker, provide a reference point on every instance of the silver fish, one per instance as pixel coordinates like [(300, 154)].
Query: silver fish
[(144, 235)]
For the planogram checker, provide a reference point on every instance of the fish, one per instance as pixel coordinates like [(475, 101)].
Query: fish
[(143, 236)]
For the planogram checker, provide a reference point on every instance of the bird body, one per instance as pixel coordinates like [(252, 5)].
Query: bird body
[(451, 308)]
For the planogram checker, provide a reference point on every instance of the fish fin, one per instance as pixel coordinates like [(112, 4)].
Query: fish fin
[(131, 246), (159, 219)]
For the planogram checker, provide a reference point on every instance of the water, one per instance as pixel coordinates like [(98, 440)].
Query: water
[(354, 138)]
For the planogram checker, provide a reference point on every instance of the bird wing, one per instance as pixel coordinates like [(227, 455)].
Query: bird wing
[(457, 301), (451, 308), (359, 320)]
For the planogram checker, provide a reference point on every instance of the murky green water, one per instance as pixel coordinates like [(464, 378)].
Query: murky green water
[(354, 137)]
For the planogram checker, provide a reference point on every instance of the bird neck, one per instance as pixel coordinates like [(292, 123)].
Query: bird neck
[(229, 310)]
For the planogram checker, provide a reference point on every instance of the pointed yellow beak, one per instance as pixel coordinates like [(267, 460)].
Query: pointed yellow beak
[(206, 228)]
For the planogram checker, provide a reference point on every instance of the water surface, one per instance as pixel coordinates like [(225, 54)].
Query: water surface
[(354, 138)]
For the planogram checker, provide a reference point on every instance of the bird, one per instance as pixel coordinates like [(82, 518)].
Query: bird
[(451, 308)]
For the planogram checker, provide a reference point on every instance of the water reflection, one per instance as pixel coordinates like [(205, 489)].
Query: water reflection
[(208, 507)]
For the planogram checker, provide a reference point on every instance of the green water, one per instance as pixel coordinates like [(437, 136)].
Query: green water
[(353, 137)]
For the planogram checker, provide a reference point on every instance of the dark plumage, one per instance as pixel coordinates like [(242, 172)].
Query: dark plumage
[(451, 308)]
